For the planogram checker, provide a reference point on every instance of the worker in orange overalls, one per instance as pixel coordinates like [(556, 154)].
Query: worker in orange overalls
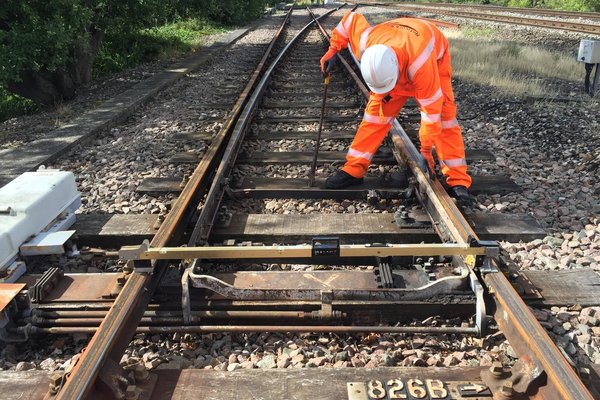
[(402, 58)]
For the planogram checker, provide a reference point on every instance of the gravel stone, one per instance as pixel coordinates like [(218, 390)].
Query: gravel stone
[(48, 364), (267, 362)]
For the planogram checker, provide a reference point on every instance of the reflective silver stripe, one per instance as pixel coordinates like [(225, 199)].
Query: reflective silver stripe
[(418, 63), (454, 162), (432, 118), (376, 119), (363, 40), (361, 154), (442, 50), (348, 22), (352, 53), (341, 30), (430, 100), (449, 124)]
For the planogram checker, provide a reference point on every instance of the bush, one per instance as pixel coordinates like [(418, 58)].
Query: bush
[(39, 36), (234, 11), (573, 5), (520, 3), (121, 51), (49, 47), (13, 105)]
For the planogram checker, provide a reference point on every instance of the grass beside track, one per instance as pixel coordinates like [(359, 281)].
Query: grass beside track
[(513, 68), (120, 52)]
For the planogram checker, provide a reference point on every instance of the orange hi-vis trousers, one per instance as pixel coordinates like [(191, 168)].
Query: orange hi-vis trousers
[(448, 143)]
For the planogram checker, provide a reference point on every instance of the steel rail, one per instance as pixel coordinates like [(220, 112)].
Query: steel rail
[(209, 210), (509, 19), (516, 321), (520, 10), (118, 327)]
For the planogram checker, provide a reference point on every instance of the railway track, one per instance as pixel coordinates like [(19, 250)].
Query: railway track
[(354, 273), (539, 18), (520, 10)]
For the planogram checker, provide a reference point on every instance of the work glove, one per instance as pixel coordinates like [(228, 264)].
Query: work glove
[(328, 60)]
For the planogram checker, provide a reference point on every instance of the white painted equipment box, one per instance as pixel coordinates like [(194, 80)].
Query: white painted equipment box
[(32, 203), (589, 51)]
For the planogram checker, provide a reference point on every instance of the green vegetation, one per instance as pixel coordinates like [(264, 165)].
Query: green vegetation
[(12, 105), (513, 68), (121, 51), (476, 32), (50, 48)]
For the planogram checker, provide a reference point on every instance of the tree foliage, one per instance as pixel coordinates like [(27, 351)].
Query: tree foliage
[(48, 48)]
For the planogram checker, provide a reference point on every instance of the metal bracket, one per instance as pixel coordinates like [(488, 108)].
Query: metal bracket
[(487, 267), (516, 383), (403, 219), (134, 252), (42, 287), (492, 251), (224, 217), (373, 197), (325, 246), (186, 306), (326, 304), (481, 317), (383, 270), (143, 266)]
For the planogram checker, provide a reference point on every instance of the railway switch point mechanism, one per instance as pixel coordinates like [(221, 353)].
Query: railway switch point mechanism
[(589, 53), (36, 209)]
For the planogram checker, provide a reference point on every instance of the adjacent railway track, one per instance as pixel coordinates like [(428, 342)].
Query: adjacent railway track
[(539, 18), (519, 10), (374, 271)]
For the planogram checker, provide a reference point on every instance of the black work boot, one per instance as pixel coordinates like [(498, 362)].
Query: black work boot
[(461, 194), (341, 180)]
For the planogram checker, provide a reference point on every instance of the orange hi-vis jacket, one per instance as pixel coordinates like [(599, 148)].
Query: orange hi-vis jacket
[(425, 74)]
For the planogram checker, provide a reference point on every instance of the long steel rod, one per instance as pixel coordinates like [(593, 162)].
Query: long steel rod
[(276, 328), (313, 167), (513, 316), (117, 328), (53, 315), (261, 252)]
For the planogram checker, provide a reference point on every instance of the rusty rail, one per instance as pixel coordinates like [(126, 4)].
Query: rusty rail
[(526, 335), (508, 19), (118, 327), (213, 198), (520, 10)]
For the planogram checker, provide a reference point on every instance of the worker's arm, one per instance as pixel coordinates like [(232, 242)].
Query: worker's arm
[(339, 38), (443, 58)]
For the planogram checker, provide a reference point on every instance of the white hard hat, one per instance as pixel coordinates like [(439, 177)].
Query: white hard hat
[(379, 68)]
